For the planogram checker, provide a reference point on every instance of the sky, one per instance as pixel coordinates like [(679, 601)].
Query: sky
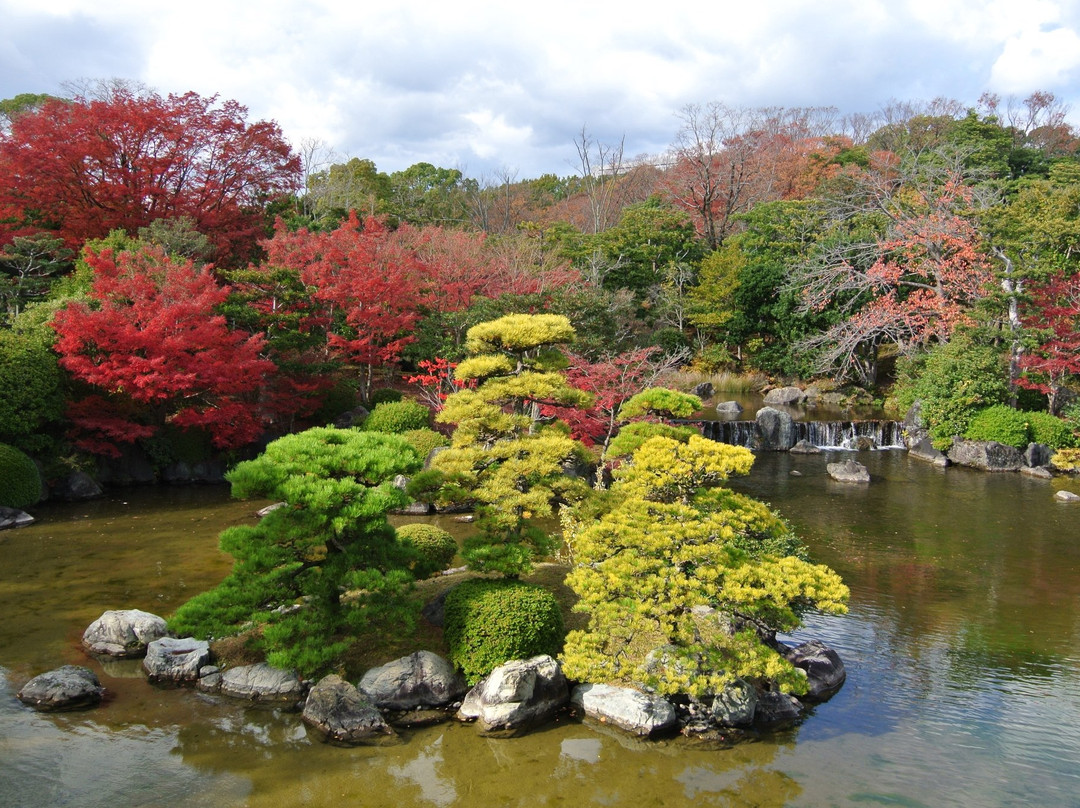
[(491, 88)]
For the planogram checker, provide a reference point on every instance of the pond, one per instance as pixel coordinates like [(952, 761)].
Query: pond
[(962, 647)]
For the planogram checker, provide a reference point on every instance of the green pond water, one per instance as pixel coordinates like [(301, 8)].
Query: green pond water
[(962, 648)]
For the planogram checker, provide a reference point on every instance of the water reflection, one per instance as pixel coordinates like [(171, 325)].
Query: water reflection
[(961, 649)]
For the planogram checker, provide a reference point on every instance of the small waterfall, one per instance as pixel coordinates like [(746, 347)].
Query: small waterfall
[(823, 434)]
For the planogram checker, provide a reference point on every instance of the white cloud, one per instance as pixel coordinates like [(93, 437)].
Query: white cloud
[(487, 84)]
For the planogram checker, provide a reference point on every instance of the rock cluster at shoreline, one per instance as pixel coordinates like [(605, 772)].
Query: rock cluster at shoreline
[(422, 687)]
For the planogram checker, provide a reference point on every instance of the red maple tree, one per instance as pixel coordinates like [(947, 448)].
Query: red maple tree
[(83, 168), (1053, 313), (156, 352)]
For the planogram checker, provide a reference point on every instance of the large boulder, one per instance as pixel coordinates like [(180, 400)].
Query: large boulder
[(915, 431), (776, 429), (703, 391), (849, 471), (75, 487), (735, 705), (729, 407), (1037, 455), (923, 449), (422, 679), (342, 714), (517, 696), (123, 633), (175, 661), (824, 669), (987, 455), (631, 710), (785, 396), (13, 517), (776, 709), (71, 687), (262, 683)]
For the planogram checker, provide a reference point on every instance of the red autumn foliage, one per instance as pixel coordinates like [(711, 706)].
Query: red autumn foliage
[(1053, 312), (368, 284), (612, 381), (158, 354), (83, 168)]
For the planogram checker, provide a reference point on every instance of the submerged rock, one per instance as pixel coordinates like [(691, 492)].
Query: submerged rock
[(71, 687), (824, 669), (848, 471), (785, 395), (423, 679), (516, 696), (776, 709), (776, 428), (729, 407), (169, 660), (631, 710), (1066, 496), (124, 633), (804, 447), (342, 714), (13, 517), (987, 455), (923, 449), (261, 683)]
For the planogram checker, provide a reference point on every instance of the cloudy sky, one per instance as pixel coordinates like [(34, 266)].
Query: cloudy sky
[(485, 86)]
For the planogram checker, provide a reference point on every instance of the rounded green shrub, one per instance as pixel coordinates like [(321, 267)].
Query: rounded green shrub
[(434, 547), (383, 395), (1001, 423), (424, 440), (397, 417), (1049, 429), (489, 622), (20, 482)]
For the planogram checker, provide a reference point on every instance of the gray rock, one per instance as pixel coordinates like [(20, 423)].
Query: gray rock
[(848, 471), (353, 417), (824, 669), (71, 687), (1038, 472), (784, 395), (923, 449), (775, 709), (204, 471), (262, 683), (1037, 454), (735, 705), (703, 391), (861, 443), (415, 509), (13, 517), (987, 455), (401, 482), (1066, 496), (269, 509), (124, 633), (733, 407), (630, 710), (422, 679), (169, 660), (76, 487), (777, 429), (517, 696), (915, 431), (804, 447), (342, 714)]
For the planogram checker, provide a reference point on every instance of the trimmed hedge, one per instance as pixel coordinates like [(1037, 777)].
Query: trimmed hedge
[(20, 482), (424, 440), (435, 548), (383, 395), (397, 417), (489, 622), (1017, 428)]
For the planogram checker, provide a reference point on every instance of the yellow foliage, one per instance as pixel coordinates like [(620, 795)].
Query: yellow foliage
[(516, 333), (481, 367), (665, 470)]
